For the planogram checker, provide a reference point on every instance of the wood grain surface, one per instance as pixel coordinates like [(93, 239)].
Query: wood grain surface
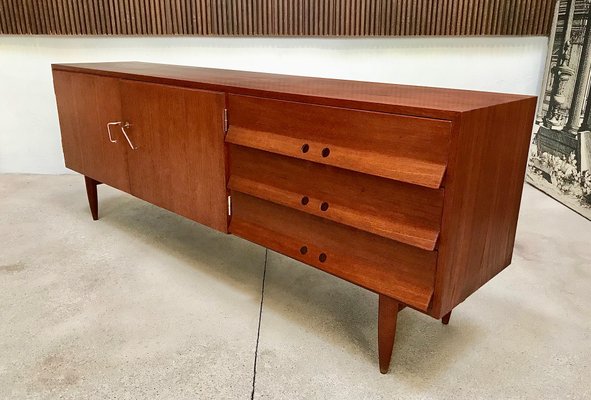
[(407, 213), (391, 98), (481, 205), (179, 164), (86, 104), (384, 266), (407, 149)]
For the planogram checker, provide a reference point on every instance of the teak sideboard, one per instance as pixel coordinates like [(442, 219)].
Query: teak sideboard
[(410, 192)]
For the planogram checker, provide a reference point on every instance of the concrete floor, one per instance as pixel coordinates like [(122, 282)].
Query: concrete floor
[(144, 304)]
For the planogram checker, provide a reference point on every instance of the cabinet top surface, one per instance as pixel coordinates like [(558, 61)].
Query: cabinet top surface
[(403, 99)]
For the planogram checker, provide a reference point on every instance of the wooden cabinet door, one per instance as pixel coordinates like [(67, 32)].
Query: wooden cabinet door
[(86, 104), (179, 160)]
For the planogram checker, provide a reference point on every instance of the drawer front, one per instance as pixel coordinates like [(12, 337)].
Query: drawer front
[(404, 148), (384, 266), (407, 213)]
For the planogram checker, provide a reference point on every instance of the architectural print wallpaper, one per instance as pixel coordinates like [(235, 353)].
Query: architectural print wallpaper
[(560, 155)]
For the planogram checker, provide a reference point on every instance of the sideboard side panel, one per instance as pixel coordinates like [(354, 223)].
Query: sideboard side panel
[(62, 84), (484, 185)]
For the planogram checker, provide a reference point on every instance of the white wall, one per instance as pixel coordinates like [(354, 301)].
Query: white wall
[(29, 133)]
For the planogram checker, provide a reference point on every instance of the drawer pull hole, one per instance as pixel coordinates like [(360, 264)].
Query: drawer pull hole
[(325, 152), (322, 257), (324, 206), (303, 249), (305, 148), (305, 200)]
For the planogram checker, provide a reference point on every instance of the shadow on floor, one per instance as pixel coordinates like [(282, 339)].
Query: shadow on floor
[(422, 343)]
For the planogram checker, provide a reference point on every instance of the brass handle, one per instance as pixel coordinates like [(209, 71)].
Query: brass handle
[(109, 131), (127, 125), (122, 126)]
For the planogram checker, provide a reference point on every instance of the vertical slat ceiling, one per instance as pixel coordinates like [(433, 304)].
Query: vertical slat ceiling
[(276, 17)]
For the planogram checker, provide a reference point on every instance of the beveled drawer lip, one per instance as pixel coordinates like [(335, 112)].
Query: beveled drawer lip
[(421, 242), (402, 272), (400, 147), (433, 176), (399, 211)]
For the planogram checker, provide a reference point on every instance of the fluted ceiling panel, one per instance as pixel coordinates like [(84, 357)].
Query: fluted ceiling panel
[(277, 17)]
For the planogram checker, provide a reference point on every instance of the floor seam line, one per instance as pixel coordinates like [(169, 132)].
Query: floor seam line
[(256, 349)]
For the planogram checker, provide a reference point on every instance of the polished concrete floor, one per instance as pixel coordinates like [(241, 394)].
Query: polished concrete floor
[(144, 304)]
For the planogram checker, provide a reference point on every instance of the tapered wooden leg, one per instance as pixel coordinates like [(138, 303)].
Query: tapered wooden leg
[(387, 316), (92, 194), (445, 319)]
